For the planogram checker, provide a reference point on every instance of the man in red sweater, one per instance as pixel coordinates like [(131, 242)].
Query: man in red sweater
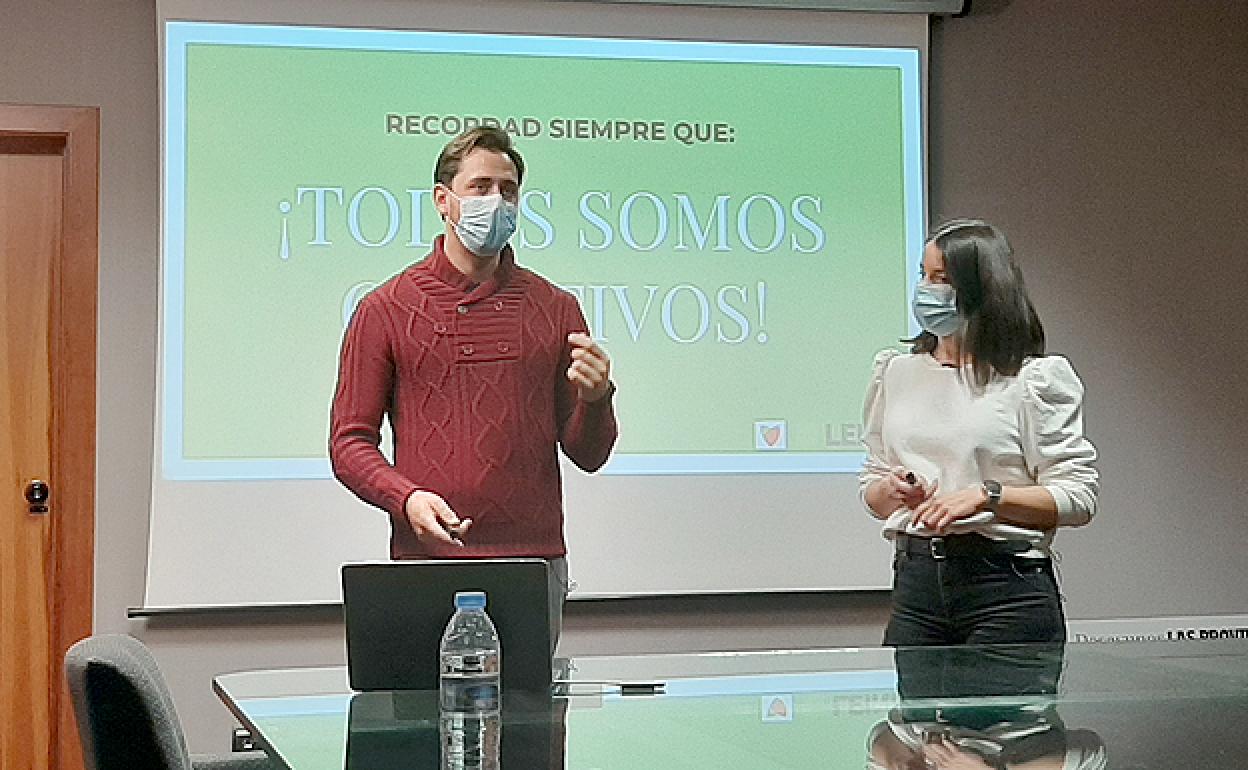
[(484, 369)]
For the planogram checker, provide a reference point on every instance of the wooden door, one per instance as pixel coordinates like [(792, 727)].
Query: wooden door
[(48, 256)]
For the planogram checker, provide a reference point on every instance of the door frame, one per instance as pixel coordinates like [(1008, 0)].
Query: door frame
[(74, 133)]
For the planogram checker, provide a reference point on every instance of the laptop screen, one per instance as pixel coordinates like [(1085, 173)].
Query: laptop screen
[(395, 614)]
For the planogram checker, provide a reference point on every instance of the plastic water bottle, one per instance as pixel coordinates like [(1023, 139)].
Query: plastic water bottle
[(471, 659), (470, 741)]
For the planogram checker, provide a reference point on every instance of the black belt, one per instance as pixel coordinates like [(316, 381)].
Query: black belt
[(954, 546)]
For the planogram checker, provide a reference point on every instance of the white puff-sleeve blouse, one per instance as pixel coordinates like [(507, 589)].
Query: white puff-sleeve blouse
[(1021, 430)]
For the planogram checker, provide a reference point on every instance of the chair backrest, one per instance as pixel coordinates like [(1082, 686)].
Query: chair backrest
[(126, 717)]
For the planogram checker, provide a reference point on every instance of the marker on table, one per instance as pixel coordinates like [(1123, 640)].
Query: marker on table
[(625, 688), (642, 688)]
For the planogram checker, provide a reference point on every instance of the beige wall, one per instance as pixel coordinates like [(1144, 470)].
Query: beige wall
[(1110, 144), (1110, 140)]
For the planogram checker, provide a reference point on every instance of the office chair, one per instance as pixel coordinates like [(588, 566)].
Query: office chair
[(126, 717)]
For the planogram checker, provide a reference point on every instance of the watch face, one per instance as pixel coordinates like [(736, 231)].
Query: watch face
[(993, 489)]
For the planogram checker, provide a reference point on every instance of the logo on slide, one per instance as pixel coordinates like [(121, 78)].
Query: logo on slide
[(777, 708), (771, 434)]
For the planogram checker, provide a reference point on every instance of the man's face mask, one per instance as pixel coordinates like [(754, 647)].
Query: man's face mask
[(486, 223), (936, 309)]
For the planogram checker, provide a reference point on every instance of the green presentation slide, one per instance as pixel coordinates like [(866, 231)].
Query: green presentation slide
[(741, 223)]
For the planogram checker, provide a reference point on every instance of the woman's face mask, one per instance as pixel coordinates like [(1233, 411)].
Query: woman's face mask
[(936, 309), (486, 223)]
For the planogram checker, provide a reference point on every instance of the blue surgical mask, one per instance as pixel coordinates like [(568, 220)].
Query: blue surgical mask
[(486, 223), (936, 308)]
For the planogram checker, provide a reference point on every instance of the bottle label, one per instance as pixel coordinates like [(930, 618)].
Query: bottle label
[(469, 694)]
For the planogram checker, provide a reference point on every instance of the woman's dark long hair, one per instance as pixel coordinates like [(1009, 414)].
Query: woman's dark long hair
[(1002, 327)]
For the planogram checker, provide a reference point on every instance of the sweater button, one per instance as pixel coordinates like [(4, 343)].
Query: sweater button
[(503, 347), (462, 310), (467, 349)]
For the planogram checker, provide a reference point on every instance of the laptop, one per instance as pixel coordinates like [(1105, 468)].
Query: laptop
[(396, 611)]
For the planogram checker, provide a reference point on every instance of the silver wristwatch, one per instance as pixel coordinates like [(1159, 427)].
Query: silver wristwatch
[(992, 489)]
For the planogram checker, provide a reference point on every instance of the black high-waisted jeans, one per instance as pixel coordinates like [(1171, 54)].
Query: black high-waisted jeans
[(997, 598)]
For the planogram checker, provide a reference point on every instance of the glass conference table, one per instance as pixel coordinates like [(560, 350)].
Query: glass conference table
[(1171, 705)]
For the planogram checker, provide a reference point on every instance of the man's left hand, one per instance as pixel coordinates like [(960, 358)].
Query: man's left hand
[(590, 371)]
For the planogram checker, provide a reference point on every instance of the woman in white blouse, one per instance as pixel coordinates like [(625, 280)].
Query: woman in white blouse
[(975, 453)]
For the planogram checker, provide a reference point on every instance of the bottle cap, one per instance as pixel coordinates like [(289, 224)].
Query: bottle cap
[(469, 600)]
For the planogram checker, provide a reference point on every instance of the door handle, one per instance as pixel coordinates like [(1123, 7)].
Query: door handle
[(37, 495)]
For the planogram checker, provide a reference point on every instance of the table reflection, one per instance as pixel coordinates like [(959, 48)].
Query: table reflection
[(981, 709), (1157, 706), (405, 729)]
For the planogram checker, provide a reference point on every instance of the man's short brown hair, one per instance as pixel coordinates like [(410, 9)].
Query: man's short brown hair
[(484, 137)]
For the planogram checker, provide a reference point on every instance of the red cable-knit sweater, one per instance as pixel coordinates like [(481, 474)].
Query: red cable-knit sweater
[(473, 379)]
